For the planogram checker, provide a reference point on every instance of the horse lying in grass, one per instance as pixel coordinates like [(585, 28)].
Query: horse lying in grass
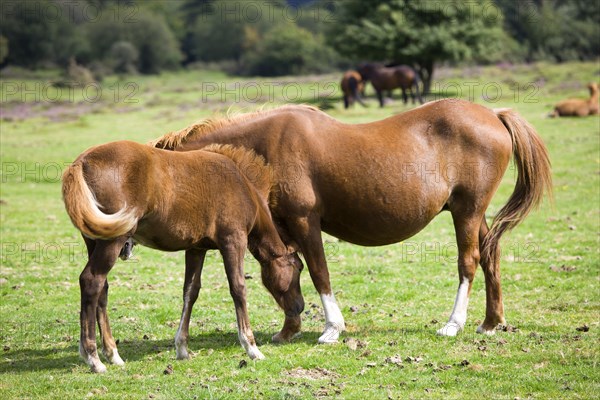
[(382, 182), (390, 78), (578, 107), (352, 86), (216, 198)]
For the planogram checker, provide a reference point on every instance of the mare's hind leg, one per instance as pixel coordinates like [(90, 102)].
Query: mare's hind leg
[(102, 256), (466, 225), (494, 310), (419, 97), (233, 249), (380, 97), (307, 232), (404, 96), (194, 261)]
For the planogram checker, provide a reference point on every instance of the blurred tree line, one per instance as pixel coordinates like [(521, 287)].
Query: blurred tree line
[(279, 37)]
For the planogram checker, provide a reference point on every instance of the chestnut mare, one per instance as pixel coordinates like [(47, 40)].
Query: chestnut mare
[(389, 78), (209, 199), (382, 182), (578, 107), (352, 86)]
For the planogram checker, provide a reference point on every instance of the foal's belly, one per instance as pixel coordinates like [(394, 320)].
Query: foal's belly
[(171, 236)]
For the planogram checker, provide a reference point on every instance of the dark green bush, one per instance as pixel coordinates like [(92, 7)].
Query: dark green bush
[(124, 57), (289, 50)]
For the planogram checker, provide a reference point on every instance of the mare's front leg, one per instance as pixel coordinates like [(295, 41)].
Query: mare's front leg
[(232, 249), (194, 261), (92, 283), (307, 231)]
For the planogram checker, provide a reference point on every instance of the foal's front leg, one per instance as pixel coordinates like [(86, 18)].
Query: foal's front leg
[(233, 257), (102, 256), (194, 261)]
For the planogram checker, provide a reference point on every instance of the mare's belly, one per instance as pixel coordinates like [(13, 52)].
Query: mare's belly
[(376, 230), (380, 211)]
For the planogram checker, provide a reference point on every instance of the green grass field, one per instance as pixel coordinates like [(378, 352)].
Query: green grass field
[(393, 298)]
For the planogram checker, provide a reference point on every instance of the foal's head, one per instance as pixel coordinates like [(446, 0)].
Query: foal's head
[(281, 277)]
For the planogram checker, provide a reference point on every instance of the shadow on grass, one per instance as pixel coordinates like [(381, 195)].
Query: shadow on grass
[(67, 357), (26, 360)]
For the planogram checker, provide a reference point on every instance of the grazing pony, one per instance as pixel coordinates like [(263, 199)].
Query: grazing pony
[(379, 183), (389, 78), (215, 198), (578, 107), (352, 86)]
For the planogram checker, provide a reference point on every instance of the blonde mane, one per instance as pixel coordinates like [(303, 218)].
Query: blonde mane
[(253, 166), (174, 139)]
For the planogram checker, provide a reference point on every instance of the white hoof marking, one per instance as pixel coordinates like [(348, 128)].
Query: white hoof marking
[(450, 329), (116, 358), (331, 334), (483, 331), (255, 354)]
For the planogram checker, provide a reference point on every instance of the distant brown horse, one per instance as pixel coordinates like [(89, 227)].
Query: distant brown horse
[(352, 86), (382, 182), (578, 107), (209, 199), (389, 78)]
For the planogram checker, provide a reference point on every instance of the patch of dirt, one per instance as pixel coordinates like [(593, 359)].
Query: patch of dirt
[(55, 112), (312, 374), (563, 268)]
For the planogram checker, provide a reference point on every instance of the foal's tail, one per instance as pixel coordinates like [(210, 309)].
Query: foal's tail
[(84, 210), (534, 179)]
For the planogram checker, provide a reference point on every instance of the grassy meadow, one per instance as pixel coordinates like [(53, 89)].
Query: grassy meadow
[(393, 298)]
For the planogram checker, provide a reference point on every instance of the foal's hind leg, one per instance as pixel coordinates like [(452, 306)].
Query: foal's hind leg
[(233, 249), (494, 310), (103, 255), (109, 346), (194, 261), (466, 226)]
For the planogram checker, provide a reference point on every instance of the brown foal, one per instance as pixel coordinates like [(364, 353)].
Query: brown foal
[(215, 198)]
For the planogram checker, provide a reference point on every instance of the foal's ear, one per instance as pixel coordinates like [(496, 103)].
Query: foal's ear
[(292, 247)]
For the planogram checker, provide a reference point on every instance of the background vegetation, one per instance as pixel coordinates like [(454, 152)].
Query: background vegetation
[(276, 37)]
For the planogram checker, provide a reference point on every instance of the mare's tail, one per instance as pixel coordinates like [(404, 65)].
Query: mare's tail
[(416, 85), (534, 179), (353, 83), (84, 210)]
